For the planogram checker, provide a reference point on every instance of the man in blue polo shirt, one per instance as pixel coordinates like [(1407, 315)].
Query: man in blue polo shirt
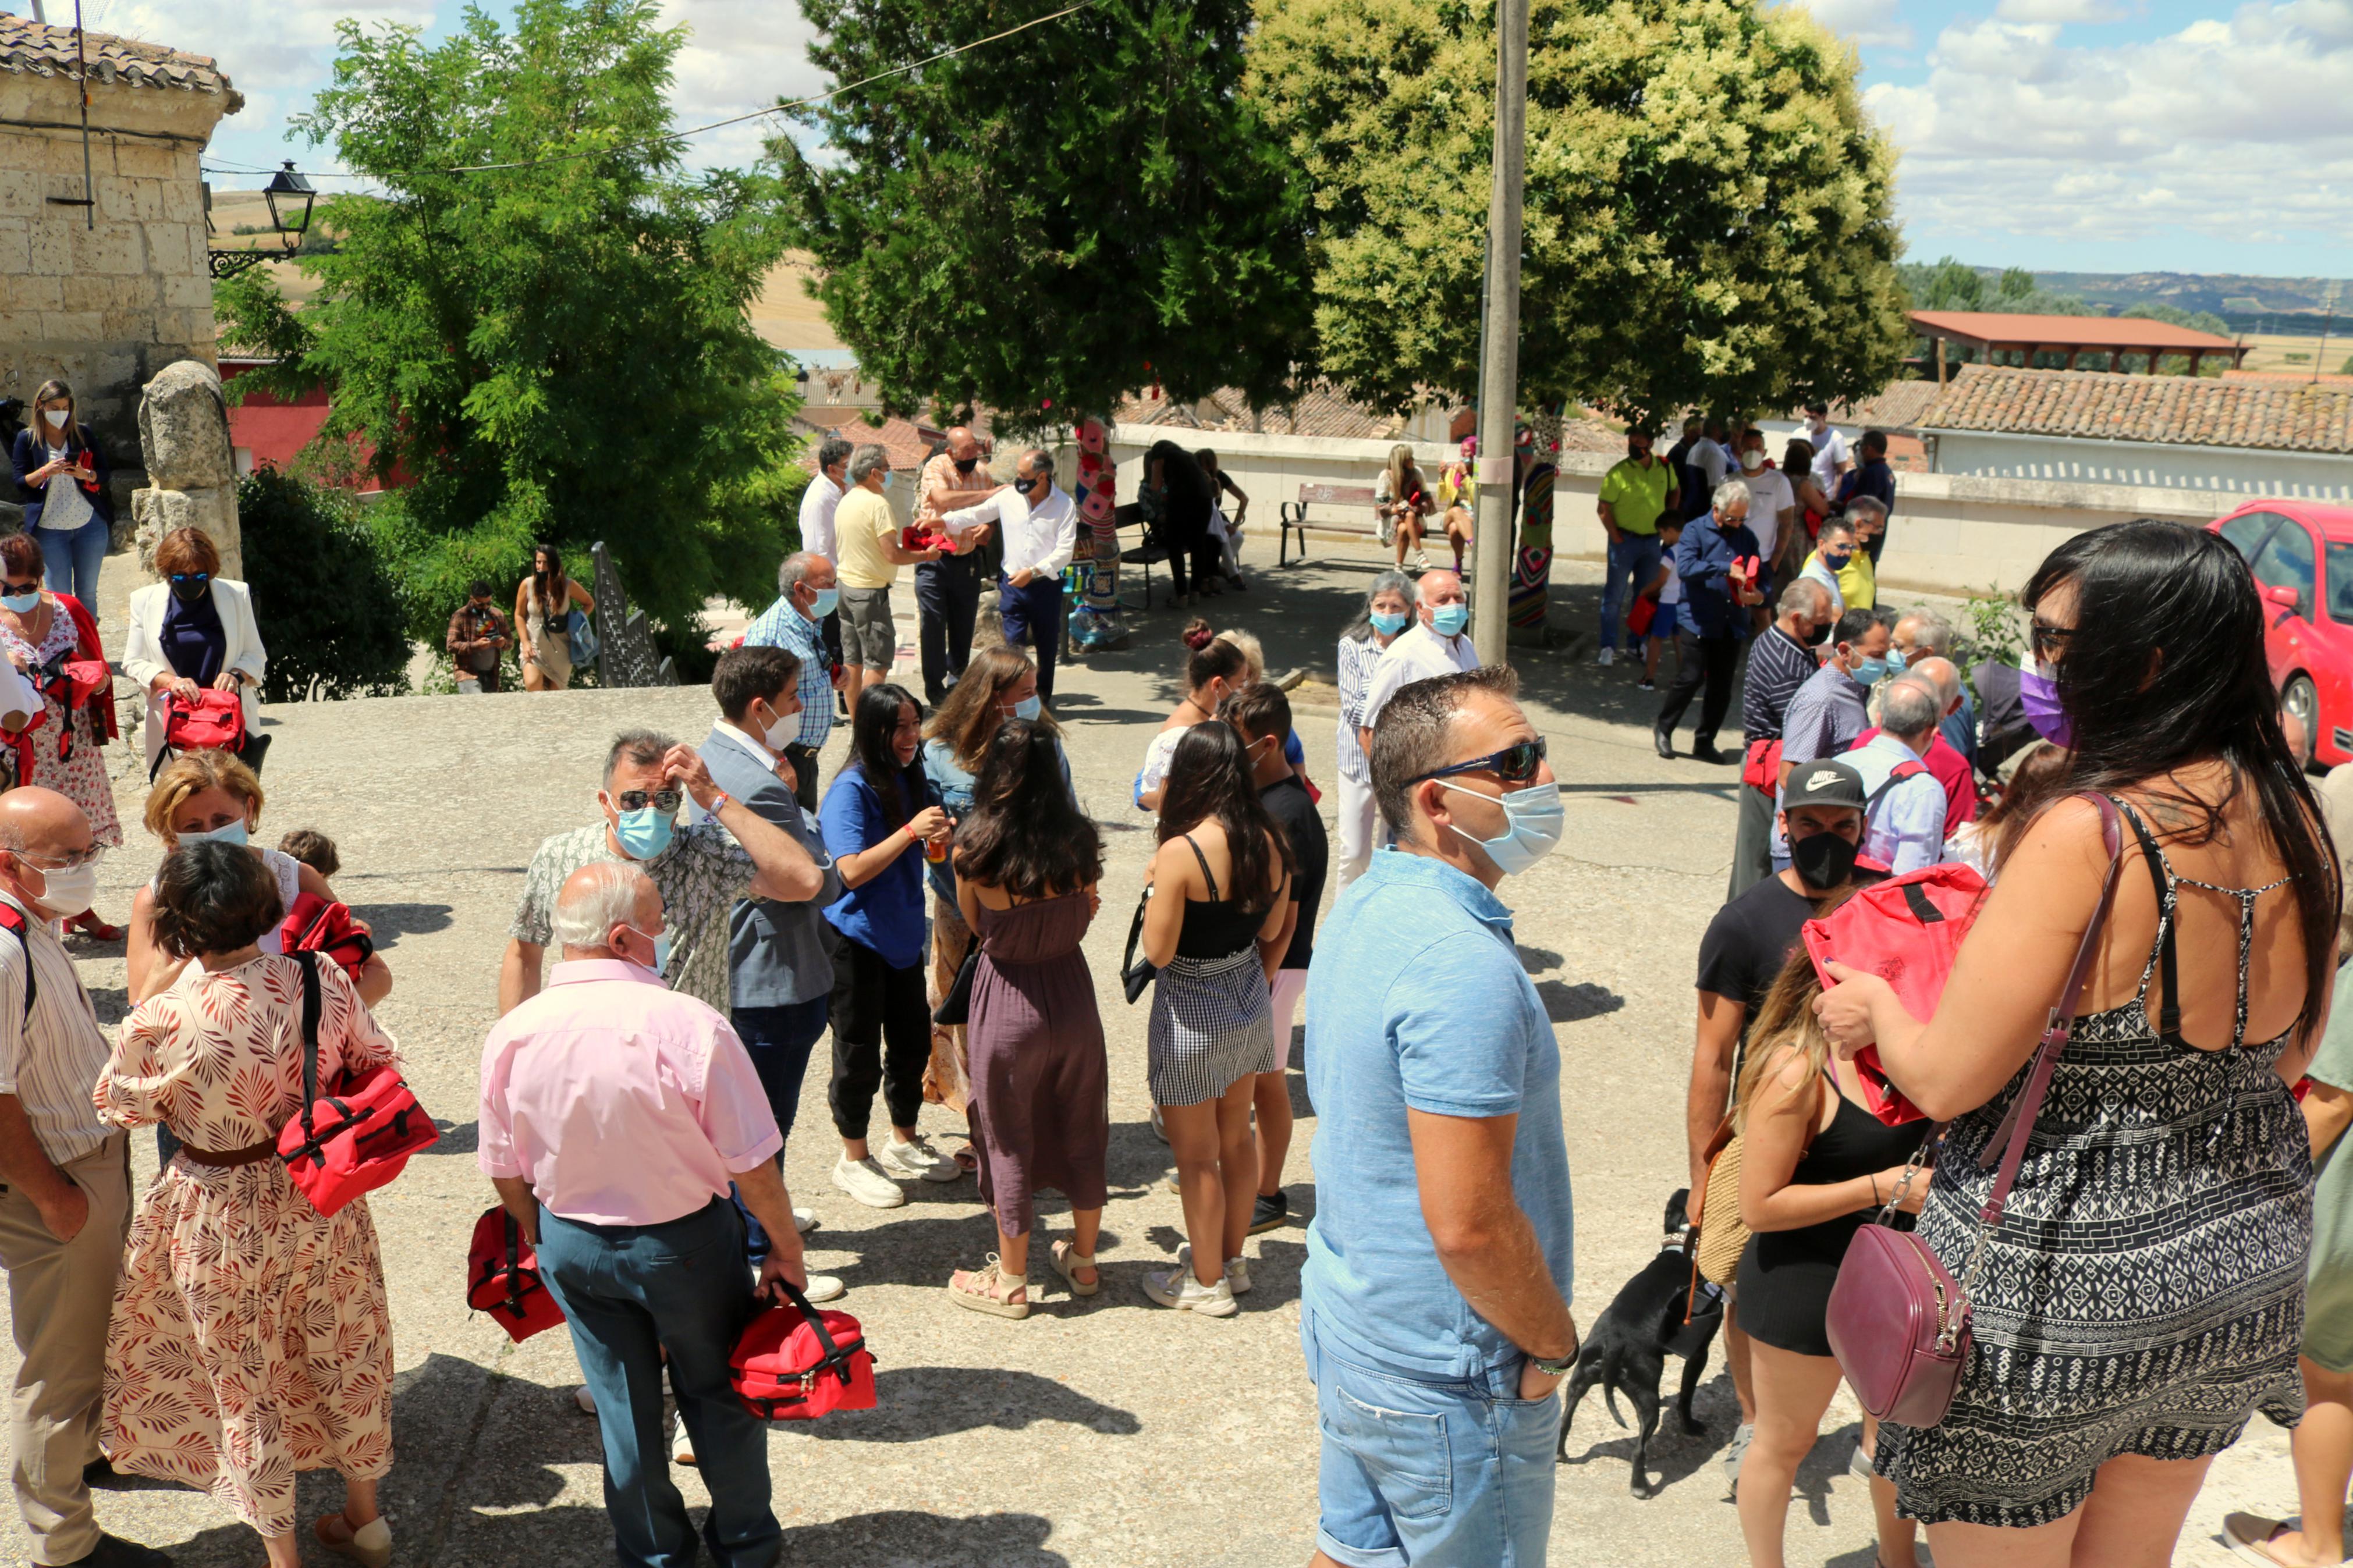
[(1434, 1305)]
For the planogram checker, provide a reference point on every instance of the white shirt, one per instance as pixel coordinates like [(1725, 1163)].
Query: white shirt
[(1830, 451), (1037, 538), (1418, 653), (1708, 457), (1768, 496), (1671, 592), (817, 504), (63, 507)]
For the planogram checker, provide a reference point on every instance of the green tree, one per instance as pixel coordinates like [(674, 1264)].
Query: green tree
[(319, 584), (1057, 219), (2199, 321), (2017, 283), (557, 351), (1708, 211)]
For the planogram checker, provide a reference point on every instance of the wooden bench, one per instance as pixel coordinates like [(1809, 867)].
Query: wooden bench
[(1294, 516)]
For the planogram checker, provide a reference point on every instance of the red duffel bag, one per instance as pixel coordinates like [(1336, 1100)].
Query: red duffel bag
[(321, 925), (797, 1363), (1906, 931), (503, 1277), (360, 1133)]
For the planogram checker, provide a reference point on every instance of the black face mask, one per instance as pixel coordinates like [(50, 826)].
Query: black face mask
[(965, 464), (1819, 635), (1823, 861), (189, 592)]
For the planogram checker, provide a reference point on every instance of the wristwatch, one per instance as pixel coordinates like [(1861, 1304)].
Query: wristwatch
[(1554, 1368)]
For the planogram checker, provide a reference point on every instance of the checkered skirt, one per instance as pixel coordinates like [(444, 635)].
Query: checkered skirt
[(1212, 1025)]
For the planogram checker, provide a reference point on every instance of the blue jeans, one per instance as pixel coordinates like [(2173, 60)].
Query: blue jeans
[(1435, 1475), (1033, 615), (629, 1293), (70, 558), (1633, 562), (778, 1040)]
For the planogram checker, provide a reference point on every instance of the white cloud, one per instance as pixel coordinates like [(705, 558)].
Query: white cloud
[(1871, 22), (2062, 11), (2240, 129), (739, 54)]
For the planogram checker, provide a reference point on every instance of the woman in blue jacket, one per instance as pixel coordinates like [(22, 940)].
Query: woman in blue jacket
[(67, 508)]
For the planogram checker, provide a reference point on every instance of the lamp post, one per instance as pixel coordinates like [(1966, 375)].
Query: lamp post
[(1499, 367), (289, 197)]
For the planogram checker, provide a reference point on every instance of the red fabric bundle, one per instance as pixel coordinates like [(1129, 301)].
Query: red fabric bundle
[(357, 1136), (319, 925), (1906, 931), (213, 722), (797, 1363), (503, 1277)]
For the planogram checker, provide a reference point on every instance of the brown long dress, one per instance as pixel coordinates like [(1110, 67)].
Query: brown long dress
[(1040, 1110)]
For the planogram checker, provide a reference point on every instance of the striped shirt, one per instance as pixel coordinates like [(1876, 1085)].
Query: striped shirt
[(783, 625), (1778, 665), (1357, 661), (52, 1062)]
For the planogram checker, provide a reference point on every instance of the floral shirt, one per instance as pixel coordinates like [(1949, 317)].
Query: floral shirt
[(699, 877)]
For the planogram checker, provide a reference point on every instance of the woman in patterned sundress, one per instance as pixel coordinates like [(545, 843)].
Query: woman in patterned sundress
[(250, 1338), (1211, 927), (2144, 1295), (39, 632)]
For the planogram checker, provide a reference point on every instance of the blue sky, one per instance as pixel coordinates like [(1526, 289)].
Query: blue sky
[(2092, 135)]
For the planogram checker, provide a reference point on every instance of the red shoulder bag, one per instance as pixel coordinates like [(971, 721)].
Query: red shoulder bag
[(359, 1134)]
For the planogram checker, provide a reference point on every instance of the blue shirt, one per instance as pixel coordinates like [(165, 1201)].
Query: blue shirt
[(1905, 829), (1703, 557), (885, 913), (781, 624), (1415, 998)]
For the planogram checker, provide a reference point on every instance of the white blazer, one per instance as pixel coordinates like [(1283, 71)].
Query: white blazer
[(143, 660)]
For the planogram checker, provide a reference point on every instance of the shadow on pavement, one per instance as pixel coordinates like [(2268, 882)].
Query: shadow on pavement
[(1568, 1004), (917, 1403), (904, 1538), (390, 922)]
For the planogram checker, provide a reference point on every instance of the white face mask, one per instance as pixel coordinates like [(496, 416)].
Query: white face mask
[(56, 416), (1752, 459), (780, 733), (68, 892)]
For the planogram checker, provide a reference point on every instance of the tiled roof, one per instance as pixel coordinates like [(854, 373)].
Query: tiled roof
[(1896, 406), (2127, 333), (46, 51), (1320, 412), (907, 443), (2192, 410)]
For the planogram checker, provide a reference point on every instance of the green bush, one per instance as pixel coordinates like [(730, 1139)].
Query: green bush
[(328, 610)]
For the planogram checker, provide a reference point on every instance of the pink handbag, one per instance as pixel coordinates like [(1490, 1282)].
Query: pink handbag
[(1898, 1323)]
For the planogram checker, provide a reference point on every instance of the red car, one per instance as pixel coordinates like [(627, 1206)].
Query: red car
[(2302, 556)]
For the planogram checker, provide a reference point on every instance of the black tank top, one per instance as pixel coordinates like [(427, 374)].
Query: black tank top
[(1855, 1143), (1214, 927)]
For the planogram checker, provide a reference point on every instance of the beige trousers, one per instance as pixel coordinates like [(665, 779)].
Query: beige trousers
[(59, 1293)]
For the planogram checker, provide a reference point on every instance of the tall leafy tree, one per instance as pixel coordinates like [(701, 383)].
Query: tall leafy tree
[(1044, 223), (1708, 209), (554, 352)]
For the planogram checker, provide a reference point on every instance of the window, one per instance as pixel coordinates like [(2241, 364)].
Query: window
[(2340, 581), (2247, 532), (2285, 562)]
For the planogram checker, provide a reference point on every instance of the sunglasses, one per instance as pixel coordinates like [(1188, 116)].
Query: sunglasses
[(1513, 765), (2048, 639), (184, 578), (32, 587), (664, 799)]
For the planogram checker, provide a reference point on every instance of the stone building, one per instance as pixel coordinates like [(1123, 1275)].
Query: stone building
[(104, 297)]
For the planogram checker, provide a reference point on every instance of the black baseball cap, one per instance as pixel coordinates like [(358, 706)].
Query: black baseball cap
[(1824, 783)]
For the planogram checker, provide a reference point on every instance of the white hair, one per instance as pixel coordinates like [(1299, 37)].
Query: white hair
[(1726, 493), (585, 916), (1911, 708)]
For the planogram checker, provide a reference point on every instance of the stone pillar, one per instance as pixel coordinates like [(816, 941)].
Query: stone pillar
[(190, 471)]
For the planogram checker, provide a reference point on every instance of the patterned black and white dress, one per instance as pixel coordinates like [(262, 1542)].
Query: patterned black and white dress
[(2145, 1293), (1212, 1024)]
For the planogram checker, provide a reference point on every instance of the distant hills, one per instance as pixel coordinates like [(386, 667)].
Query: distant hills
[(2247, 303)]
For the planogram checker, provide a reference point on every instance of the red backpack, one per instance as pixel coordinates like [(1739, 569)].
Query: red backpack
[(796, 1363), (503, 1277), (320, 925), (1906, 931), (360, 1133), (213, 721)]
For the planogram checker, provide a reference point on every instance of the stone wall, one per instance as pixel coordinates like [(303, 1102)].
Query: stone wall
[(105, 305)]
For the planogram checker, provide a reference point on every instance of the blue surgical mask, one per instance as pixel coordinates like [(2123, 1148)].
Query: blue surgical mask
[(23, 603), (1895, 661), (1870, 672), (1448, 620), (645, 832), (886, 479), (1029, 708), (827, 600), (1387, 625), (661, 948), (233, 834), (1533, 816)]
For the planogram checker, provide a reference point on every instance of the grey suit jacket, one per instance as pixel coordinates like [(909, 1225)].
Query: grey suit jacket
[(776, 951)]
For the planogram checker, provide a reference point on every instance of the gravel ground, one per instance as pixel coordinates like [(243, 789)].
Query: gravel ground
[(1108, 1431)]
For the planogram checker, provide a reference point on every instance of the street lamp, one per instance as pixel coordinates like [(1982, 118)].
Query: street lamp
[(290, 197)]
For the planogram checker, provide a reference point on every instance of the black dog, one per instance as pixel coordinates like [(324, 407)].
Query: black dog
[(1628, 1347)]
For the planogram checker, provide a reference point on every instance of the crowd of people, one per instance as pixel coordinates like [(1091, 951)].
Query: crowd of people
[(725, 907)]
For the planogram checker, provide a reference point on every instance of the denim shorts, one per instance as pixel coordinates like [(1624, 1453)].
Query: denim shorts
[(1429, 1473), (1663, 623)]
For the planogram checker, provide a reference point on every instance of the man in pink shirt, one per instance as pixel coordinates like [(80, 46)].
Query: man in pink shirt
[(615, 1114)]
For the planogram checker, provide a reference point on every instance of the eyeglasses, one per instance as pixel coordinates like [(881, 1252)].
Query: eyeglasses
[(2048, 639), (185, 578), (664, 799), (1513, 765), (73, 862)]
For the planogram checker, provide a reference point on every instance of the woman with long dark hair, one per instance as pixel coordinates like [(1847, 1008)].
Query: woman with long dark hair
[(2145, 1294), (1177, 499), (1027, 860), (878, 809), (543, 604), (1212, 926)]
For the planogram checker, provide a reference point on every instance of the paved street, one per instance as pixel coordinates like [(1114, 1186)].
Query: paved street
[(1105, 1432)]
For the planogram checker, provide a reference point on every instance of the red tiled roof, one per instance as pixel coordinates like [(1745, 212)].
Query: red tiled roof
[(907, 442), (2192, 410), (46, 51), (2126, 332), (1898, 405)]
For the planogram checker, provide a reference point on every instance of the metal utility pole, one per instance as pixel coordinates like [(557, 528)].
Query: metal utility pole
[(1499, 332)]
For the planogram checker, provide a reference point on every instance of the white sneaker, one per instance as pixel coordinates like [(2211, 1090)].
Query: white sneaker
[(585, 1399), (1607, 656), (1422, 560), (916, 1161), (1178, 1288), (805, 1220), (681, 1446), (866, 1181), (825, 1287), (1237, 1269)]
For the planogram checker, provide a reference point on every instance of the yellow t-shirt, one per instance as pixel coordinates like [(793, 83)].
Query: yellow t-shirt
[(1858, 581), (860, 524)]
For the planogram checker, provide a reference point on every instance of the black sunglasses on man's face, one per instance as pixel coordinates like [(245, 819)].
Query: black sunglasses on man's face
[(1514, 763)]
